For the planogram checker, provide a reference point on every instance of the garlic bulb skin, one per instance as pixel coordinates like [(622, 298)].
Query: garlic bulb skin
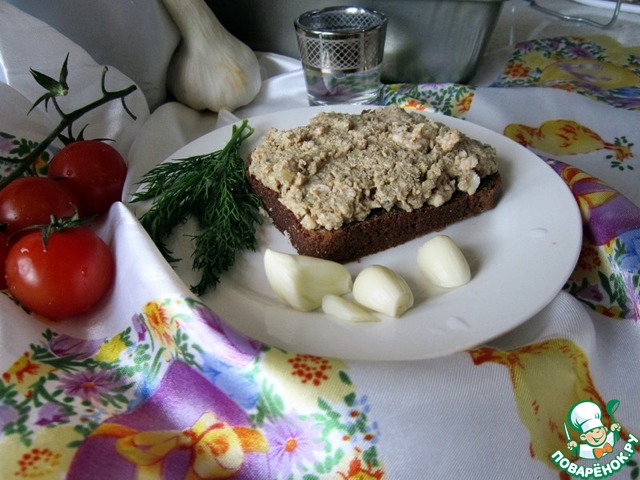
[(211, 69), (302, 281), (442, 262), (345, 309), (381, 289)]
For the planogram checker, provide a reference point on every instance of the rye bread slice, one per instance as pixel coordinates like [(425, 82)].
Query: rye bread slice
[(381, 229)]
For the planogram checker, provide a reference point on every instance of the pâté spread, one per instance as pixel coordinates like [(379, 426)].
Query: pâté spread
[(340, 167)]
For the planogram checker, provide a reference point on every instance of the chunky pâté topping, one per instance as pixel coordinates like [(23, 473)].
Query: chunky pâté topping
[(341, 167)]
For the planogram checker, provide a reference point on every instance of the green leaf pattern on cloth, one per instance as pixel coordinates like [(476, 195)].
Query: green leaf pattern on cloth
[(12, 149)]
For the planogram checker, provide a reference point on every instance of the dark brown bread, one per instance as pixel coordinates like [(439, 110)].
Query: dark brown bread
[(381, 229)]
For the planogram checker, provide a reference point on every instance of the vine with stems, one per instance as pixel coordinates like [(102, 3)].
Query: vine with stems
[(64, 130)]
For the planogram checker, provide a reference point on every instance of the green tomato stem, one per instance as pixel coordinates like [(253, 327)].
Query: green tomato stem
[(66, 120)]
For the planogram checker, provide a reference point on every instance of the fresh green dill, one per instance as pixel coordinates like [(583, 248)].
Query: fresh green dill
[(212, 189)]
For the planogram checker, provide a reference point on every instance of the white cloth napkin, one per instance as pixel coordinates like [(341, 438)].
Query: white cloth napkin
[(45, 52), (138, 38), (144, 142)]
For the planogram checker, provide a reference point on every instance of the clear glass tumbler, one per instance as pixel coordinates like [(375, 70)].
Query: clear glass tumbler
[(341, 49)]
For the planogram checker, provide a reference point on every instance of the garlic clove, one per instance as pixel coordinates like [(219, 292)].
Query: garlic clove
[(442, 262), (383, 290), (302, 281), (345, 309)]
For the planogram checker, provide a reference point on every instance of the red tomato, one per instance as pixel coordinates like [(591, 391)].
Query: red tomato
[(64, 280), (31, 201), (4, 250), (93, 170)]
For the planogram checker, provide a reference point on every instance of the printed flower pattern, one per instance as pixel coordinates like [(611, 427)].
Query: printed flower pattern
[(46, 458), (358, 471), (89, 385), (161, 326), (294, 443), (447, 98), (246, 411)]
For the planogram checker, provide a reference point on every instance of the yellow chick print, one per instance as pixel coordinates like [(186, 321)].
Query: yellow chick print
[(563, 137), (589, 72), (548, 378), (217, 448)]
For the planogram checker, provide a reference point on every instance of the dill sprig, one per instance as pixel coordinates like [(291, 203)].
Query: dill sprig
[(212, 189)]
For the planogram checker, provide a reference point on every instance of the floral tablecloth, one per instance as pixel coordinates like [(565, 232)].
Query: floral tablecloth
[(154, 384)]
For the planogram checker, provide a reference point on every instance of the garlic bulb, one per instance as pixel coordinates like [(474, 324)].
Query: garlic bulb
[(302, 281), (383, 290), (345, 309), (211, 69), (442, 263)]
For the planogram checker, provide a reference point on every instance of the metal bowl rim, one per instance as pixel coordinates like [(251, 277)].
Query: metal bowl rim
[(302, 29)]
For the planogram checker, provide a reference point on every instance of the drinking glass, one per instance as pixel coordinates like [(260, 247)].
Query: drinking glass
[(341, 49)]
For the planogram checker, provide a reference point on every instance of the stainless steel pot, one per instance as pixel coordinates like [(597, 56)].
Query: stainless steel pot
[(427, 40)]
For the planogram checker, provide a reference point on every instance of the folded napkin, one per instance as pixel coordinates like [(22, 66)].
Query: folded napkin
[(137, 38)]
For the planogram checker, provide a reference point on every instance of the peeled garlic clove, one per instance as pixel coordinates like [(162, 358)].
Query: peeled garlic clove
[(302, 281), (383, 290), (442, 263), (345, 309)]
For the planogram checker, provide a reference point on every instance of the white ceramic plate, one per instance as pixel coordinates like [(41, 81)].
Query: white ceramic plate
[(520, 254)]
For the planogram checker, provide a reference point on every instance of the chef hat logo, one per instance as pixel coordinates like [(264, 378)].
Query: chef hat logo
[(585, 416)]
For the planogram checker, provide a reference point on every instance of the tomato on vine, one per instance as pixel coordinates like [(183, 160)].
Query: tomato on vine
[(93, 170), (4, 251), (60, 273), (29, 201)]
